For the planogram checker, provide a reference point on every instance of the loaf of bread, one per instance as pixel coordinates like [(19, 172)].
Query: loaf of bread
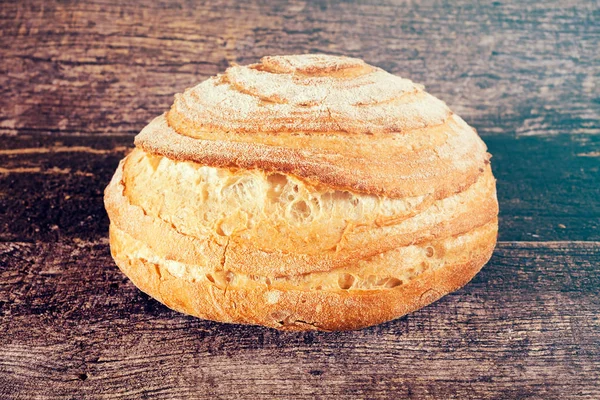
[(306, 192)]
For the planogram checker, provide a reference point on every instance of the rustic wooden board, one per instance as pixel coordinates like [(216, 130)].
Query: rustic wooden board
[(526, 327), (79, 79)]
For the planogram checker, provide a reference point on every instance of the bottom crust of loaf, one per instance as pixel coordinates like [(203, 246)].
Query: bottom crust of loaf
[(294, 309)]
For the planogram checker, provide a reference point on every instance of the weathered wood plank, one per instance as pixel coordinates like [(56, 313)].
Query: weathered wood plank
[(548, 188), (108, 66), (528, 326), (51, 186), (78, 80)]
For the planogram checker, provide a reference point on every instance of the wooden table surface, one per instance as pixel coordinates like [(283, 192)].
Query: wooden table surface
[(79, 79)]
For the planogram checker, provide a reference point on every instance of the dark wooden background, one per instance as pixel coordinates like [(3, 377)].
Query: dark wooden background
[(79, 79)]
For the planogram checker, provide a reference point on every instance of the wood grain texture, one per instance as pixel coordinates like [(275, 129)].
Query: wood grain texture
[(79, 79), (526, 327), (109, 67)]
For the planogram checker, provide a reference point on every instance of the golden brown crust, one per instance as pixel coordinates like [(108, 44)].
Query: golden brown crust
[(303, 192), (462, 213), (438, 169), (294, 309)]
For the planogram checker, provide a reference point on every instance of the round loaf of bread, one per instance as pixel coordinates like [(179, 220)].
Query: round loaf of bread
[(306, 192)]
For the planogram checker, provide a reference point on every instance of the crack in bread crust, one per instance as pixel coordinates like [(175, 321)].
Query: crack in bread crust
[(297, 309), (466, 211), (409, 262)]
